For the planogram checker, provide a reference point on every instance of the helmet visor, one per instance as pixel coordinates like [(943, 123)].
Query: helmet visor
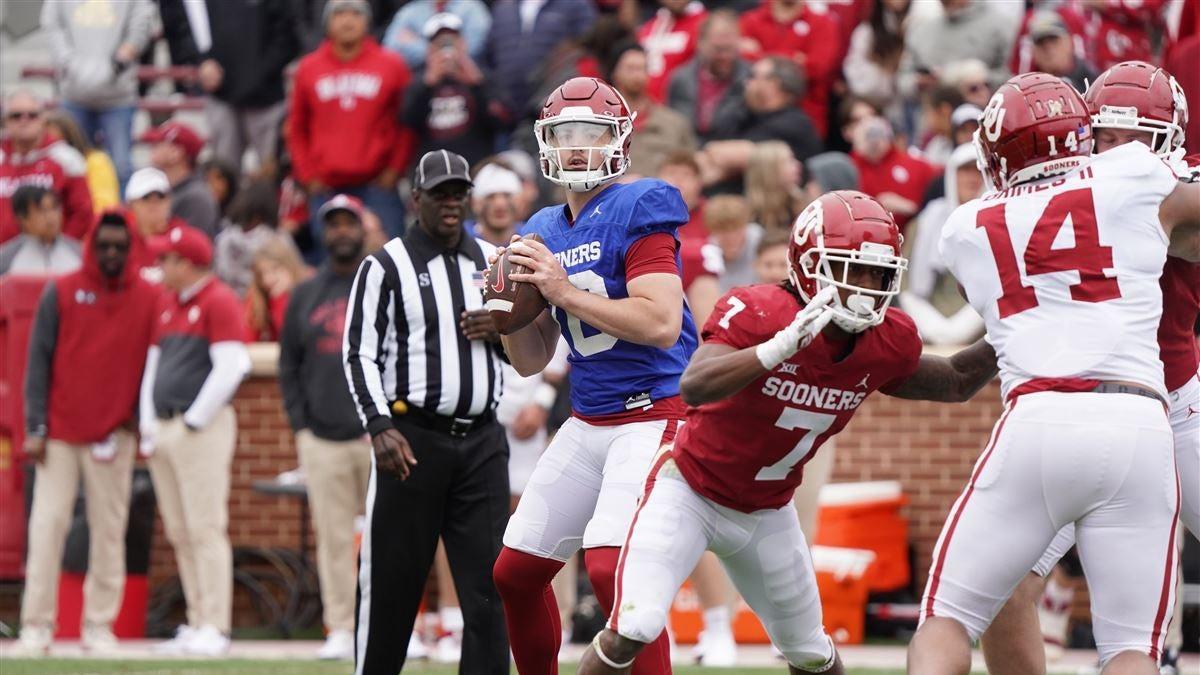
[(578, 135)]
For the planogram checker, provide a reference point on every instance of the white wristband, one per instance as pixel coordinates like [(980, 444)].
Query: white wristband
[(777, 350), (545, 395)]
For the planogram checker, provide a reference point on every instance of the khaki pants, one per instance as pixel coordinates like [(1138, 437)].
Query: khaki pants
[(337, 474), (106, 489), (191, 472)]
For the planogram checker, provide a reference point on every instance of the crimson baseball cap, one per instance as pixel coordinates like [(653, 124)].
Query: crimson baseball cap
[(341, 203), (185, 241), (178, 133)]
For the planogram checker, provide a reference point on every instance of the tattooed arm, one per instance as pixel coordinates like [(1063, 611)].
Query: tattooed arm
[(954, 379)]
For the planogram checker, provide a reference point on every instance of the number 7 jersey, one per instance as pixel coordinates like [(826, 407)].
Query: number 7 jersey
[(747, 451), (1065, 272)]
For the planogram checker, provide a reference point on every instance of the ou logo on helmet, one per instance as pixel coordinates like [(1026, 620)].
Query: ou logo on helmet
[(808, 222), (993, 118)]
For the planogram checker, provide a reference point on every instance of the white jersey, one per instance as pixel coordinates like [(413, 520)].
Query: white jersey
[(1065, 270)]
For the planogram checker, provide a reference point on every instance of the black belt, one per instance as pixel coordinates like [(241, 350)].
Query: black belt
[(455, 426)]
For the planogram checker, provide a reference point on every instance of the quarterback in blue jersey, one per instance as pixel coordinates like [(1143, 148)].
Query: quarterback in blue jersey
[(609, 269)]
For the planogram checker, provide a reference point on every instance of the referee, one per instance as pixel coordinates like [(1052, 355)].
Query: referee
[(423, 361)]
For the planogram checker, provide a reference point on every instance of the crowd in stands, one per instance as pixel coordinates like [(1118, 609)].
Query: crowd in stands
[(306, 100), (751, 108)]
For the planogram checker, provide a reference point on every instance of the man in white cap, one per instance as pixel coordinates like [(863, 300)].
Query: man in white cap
[(450, 105), (494, 203), (407, 35), (148, 201)]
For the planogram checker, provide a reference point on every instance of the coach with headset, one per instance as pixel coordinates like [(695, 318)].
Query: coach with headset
[(423, 361)]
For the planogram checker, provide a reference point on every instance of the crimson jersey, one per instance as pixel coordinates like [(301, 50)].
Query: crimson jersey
[(1180, 284), (748, 451)]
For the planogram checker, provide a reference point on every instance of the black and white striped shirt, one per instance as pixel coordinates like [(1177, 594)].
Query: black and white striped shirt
[(403, 341)]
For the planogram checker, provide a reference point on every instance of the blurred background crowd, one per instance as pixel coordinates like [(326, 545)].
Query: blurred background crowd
[(260, 123), (750, 107)]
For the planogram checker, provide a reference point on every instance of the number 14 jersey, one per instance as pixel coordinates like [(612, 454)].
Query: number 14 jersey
[(747, 452), (1065, 272)]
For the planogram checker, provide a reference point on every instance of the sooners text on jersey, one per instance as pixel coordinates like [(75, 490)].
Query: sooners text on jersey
[(610, 376), (748, 451)]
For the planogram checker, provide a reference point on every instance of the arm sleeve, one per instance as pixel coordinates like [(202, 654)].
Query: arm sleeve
[(77, 206), (285, 41), (60, 40), (41, 356), (370, 307), (412, 51), (230, 363), (291, 356), (416, 105), (477, 21), (102, 183), (910, 347), (147, 416), (297, 127), (406, 141), (734, 321), (141, 24), (659, 209), (654, 253)]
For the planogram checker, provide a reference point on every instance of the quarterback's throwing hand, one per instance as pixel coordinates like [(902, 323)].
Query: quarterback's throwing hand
[(545, 271)]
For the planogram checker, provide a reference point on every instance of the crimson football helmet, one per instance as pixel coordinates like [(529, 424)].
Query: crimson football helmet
[(589, 115), (1035, 125), (851, 228), (1138, 96)]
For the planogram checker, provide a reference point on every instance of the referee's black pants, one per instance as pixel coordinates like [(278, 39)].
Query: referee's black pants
[(458, 491)]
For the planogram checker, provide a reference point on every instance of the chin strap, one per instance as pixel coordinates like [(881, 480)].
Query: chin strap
[(607, 661)]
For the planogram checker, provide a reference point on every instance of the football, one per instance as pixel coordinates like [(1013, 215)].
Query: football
[(512, 304)]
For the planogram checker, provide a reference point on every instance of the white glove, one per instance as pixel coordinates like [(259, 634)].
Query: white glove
[(799, 333)]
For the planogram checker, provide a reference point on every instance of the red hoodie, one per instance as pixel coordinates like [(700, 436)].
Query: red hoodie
[(55, 165), (669, 41), (96, 354), (812, 37), (897, 171), (343, 127)]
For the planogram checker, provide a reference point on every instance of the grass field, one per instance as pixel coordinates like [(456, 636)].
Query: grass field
[(80, 667)]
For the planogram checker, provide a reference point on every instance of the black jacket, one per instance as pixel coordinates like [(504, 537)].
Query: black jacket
[(311, 372), (253, 40), (790, 125)]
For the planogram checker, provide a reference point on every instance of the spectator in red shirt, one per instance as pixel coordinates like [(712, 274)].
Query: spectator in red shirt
[(28, 156), (1121, 30), (669, 39), (894, 177), (714, 78), (1184, 64), (344, 132), (792, 29)]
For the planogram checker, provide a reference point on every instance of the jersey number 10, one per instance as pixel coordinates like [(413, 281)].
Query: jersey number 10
[(1087, 256)]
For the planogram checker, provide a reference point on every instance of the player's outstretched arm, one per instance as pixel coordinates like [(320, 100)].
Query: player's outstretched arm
[(531, 348), (718, 371), (1180, 216), (953, 379)]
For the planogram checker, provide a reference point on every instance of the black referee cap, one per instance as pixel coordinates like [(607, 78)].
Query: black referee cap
[(438, 166)]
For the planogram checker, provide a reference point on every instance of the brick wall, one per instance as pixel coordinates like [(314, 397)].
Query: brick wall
[(930, 448)]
